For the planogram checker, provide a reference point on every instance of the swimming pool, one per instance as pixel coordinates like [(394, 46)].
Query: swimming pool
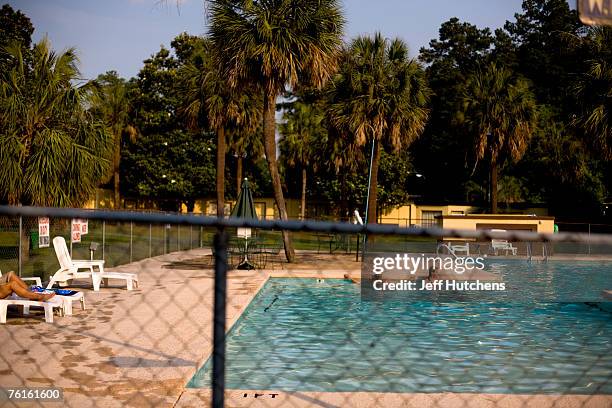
[(301, 335)]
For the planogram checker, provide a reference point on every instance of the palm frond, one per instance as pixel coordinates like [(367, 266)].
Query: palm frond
[(45, 131)]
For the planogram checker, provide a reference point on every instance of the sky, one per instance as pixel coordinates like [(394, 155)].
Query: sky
[(119, 34)]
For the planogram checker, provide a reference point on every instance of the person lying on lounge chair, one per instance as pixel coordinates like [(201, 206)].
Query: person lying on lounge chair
[(11, 283)]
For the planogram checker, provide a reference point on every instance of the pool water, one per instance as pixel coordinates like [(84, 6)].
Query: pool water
[(303, 335)]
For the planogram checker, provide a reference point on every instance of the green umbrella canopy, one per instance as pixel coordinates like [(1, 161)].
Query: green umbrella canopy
[(245, 208)]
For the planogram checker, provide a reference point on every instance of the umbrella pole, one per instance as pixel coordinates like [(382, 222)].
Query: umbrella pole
[(245, 264)]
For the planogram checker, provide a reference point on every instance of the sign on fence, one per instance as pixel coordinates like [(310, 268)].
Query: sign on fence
[(595, 12), (79, 227), (84, 227), (43, 232), (75, 234)]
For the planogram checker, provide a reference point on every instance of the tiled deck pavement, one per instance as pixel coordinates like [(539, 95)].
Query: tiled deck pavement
[(134, 348), (140, 348)]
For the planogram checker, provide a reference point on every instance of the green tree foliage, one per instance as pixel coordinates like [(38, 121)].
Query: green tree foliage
[(546, 44), (594, 90), (302, 135), (554, 51), (559, 170), (54, 152), (166, 149), (397, 178), (275, 44), (247, 147), (111, 102), (176, 167), (543, 56), (500, 111), (225, 110), (15, 28), (380, 96), (347, 190), (451, 59)]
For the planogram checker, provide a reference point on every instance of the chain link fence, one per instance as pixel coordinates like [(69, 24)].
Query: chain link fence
[(118, 243), (217, 319)]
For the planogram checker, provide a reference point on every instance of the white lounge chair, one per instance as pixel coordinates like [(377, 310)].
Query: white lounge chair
[(69, 269), (456, 248), (26, 303), (502, 244), (67, 309)]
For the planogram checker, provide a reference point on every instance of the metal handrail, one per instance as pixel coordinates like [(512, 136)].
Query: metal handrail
[(529, 252), (450, 250)]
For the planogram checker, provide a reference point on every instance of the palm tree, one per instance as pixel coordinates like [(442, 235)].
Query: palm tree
[(380, 97), (302, 132), (595, 91), (110, 102), (245, 143), (54, 152), (209, 96), (500, 110), (275, 44)]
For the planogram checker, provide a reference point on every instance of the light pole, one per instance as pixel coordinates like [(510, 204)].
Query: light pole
[(369, 183), (365, 239)]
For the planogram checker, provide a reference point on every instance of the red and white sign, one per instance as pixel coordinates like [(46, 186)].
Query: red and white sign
[(80, 227), (43, 232), (84, 227), (75, 234)]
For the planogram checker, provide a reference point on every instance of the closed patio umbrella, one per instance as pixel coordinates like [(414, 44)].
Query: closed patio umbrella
[(245, 208)]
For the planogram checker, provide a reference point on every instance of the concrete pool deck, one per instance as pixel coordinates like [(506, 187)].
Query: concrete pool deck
[(273, 399), (135, 348), (140, 348)]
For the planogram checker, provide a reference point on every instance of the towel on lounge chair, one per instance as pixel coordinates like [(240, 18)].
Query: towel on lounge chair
[(61, 292)]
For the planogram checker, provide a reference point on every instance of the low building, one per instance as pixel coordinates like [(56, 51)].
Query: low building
[(428, 215), (509, 222)]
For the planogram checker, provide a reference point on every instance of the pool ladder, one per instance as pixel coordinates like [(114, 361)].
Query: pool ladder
[(544, 252), (448, 248)]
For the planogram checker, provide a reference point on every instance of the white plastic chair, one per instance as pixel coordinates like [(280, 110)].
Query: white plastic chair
[(456, 248), (67, 300), (67, 309), (69, 269), (26, 303), (502, 244)]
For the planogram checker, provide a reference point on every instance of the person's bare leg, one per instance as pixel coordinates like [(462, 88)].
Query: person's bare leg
[(5, 290), (25, 293), (12, 277)]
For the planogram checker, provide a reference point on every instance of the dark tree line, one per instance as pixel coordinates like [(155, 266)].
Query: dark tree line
[(520, 114)]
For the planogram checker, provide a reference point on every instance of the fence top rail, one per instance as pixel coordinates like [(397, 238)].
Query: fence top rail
[(291, 225)]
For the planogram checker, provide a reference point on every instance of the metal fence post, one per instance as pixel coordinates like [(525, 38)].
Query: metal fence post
[(20, 245), (165, 239), (150, 236), (131, 240), (178, 238), (103, 238), (589, 237), (191, 237), (218, 363)]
